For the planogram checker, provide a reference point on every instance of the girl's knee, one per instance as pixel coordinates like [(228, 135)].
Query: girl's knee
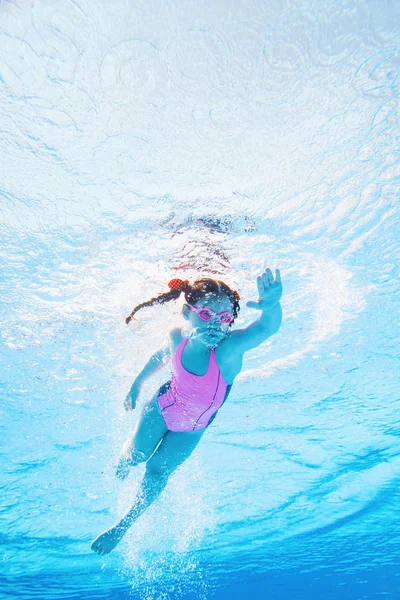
[(156, 471), (133, 455)]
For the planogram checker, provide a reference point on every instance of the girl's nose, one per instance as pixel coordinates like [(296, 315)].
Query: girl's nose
[(215, 325)]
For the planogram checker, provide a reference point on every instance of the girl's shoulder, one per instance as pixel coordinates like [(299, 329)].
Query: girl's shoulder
[(229, 361), (175, 338)]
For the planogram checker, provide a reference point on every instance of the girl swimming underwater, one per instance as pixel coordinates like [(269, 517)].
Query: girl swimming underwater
[(204, 365)]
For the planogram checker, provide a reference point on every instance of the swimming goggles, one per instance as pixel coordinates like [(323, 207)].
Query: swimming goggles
[(206, 314)]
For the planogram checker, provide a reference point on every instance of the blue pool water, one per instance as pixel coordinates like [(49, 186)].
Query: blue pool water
[(142, 141)]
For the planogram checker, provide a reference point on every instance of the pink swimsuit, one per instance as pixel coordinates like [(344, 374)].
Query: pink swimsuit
[(189, 402)]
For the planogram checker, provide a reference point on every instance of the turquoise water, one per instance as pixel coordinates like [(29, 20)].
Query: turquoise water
[(144, 141)]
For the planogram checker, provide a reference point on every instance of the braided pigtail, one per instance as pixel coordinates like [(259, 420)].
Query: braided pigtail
[(236, 305), (176, 287)]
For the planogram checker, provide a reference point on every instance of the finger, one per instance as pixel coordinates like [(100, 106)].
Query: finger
[(265, 280), (277, 276), (252, 304), (260, 286), (270, 276)]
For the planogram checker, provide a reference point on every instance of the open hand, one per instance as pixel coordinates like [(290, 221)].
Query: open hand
[(269, 290), (131, 398), (107, 541)]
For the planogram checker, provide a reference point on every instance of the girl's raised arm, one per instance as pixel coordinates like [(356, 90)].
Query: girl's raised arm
[(269, 295)]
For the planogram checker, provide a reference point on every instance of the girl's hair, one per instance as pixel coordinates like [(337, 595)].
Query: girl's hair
[(193, 293)]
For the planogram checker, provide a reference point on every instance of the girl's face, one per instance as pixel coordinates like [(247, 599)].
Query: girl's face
[(211, 332)]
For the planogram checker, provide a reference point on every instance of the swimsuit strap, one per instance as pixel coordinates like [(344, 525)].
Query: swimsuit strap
[(178, 358)]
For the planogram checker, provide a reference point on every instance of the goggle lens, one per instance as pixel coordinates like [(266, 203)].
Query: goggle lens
[(206, 314), (226, 317)]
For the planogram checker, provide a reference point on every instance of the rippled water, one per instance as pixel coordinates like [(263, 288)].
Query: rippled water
[(141, 141)]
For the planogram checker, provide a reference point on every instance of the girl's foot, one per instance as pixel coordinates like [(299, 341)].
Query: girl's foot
[(107, 540)]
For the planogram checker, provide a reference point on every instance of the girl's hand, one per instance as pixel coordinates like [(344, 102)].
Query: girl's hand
[(269, 291), (131, 398)]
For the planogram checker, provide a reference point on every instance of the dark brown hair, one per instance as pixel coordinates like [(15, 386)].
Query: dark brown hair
[(193, 293)]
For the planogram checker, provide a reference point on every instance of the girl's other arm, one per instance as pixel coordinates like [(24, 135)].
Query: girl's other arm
[(154, 363)]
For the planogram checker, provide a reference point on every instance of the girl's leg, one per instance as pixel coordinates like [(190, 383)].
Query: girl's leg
[(149, 431), (174, 449)]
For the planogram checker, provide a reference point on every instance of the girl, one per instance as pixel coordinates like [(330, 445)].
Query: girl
[(204, 366)]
